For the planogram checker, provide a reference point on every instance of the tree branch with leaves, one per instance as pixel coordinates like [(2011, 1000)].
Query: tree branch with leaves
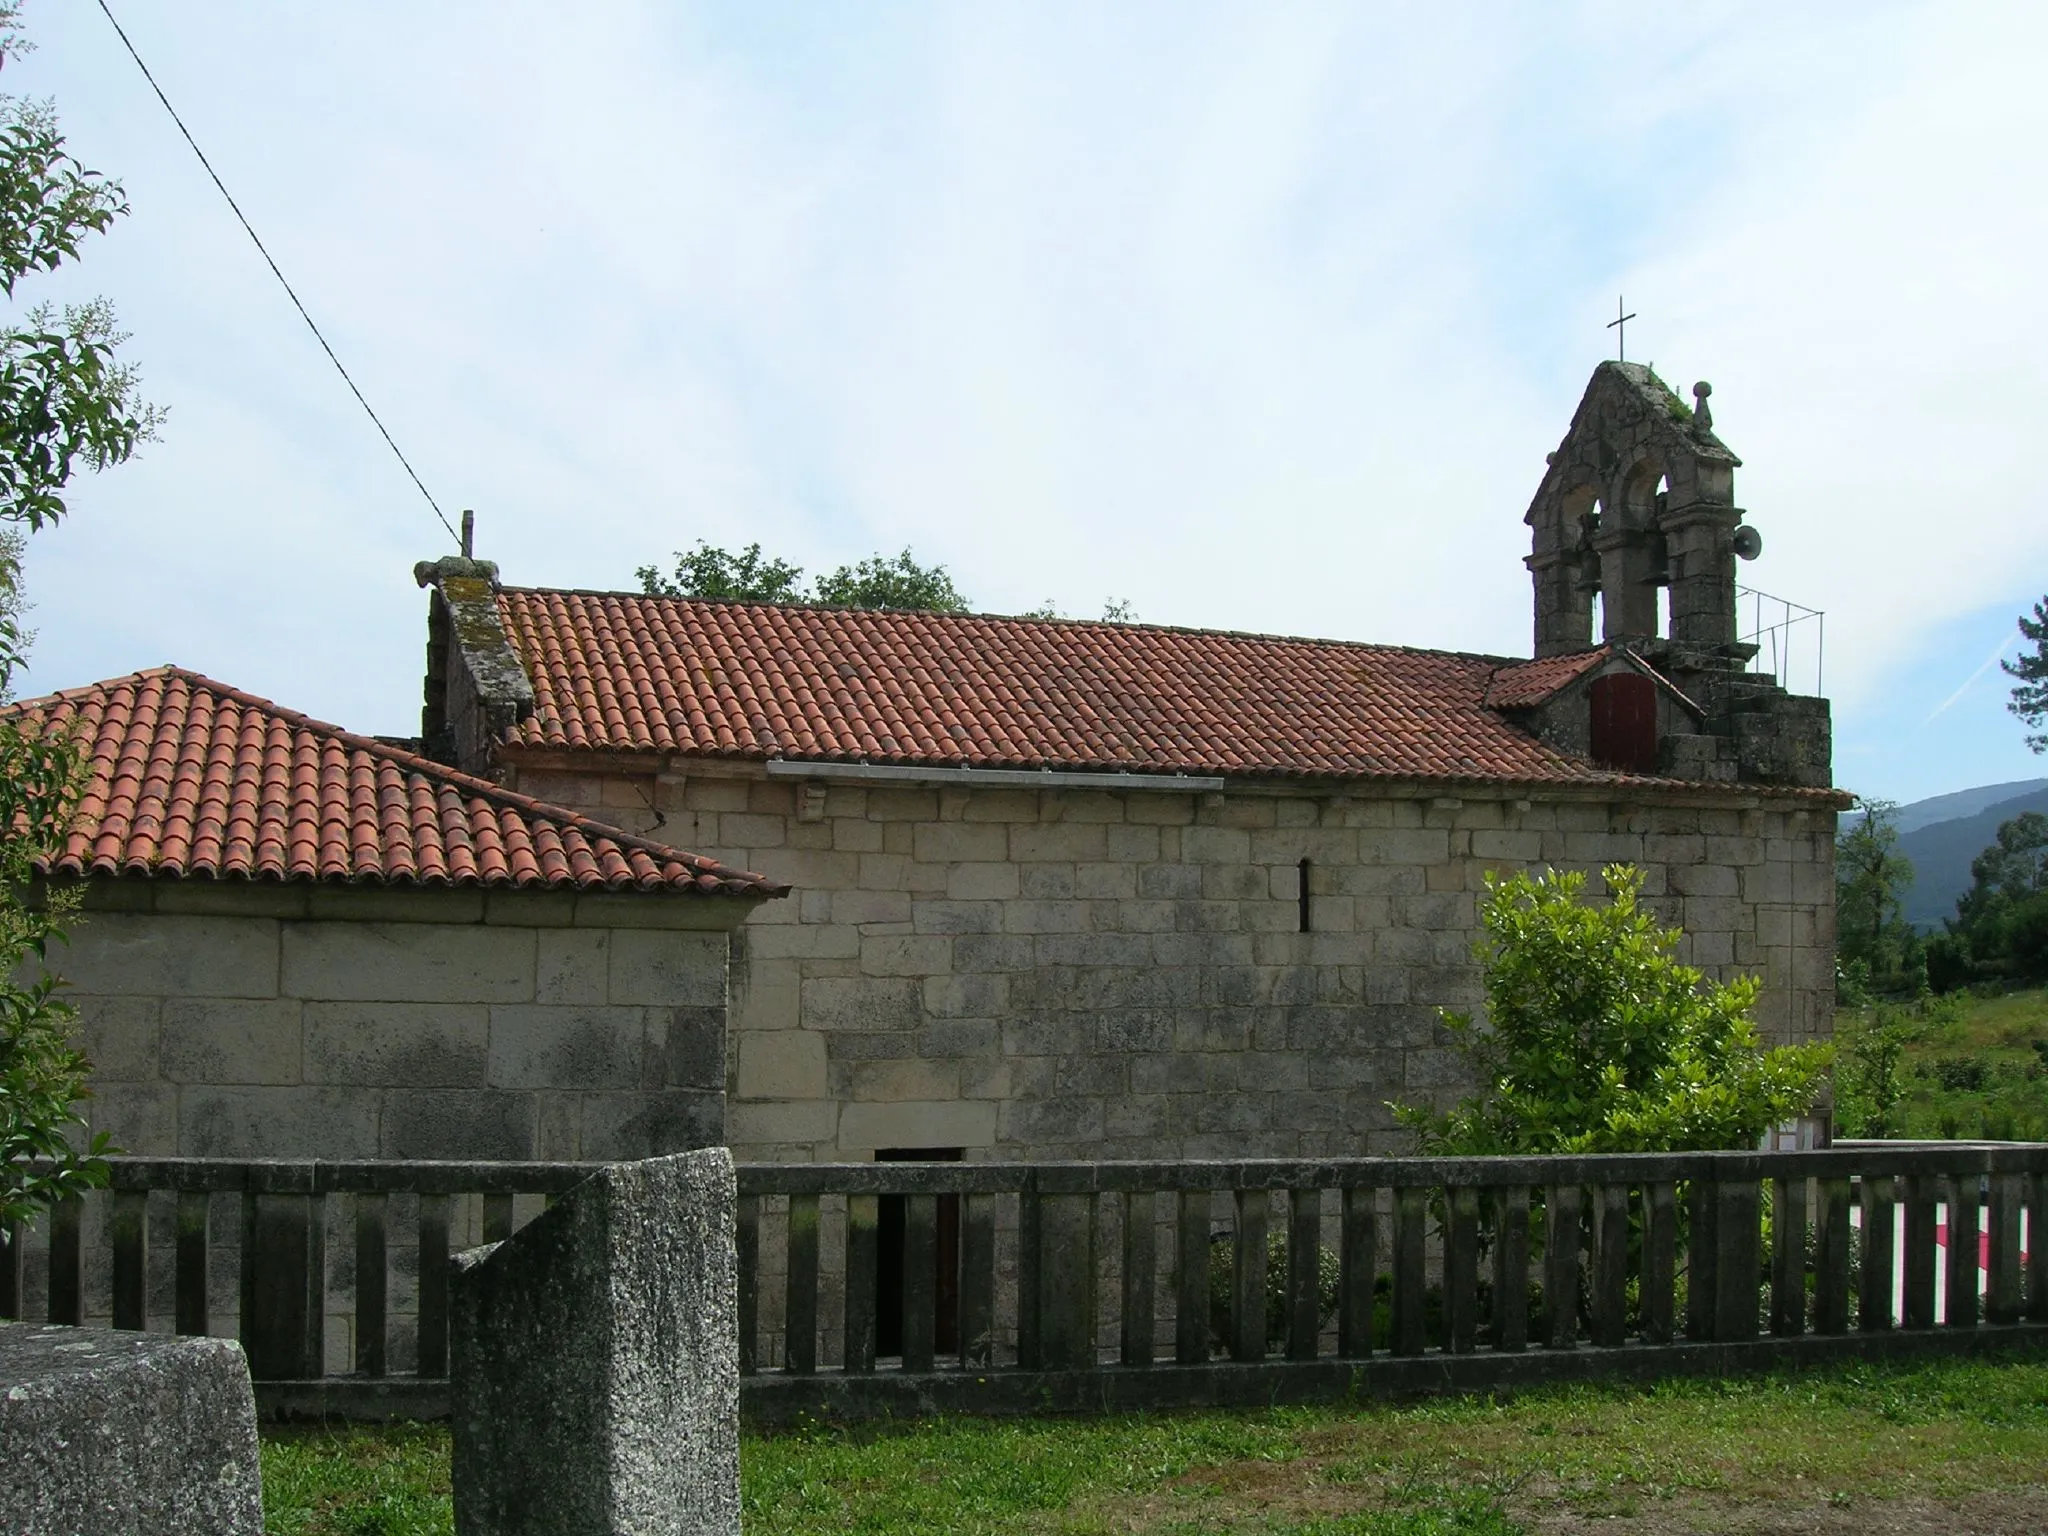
[(44, 1077), (67, 402)]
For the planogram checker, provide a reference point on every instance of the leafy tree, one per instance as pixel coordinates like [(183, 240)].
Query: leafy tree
[(2001, 921), (880, 581), (65, 399), (43, 1075), (1874, 944), (1115, 610), (1598, 1040), (2030, 690), (66, 402), (1870, 1077), (2026, 939), (899, 583), (712, 573), (2012, 869)]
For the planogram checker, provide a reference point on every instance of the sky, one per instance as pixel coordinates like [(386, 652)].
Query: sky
[(1256, 317)]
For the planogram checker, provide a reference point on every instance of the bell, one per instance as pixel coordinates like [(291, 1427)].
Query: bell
[(1659, 574)]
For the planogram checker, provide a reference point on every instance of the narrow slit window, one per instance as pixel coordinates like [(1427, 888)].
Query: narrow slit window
[(1303, 897)]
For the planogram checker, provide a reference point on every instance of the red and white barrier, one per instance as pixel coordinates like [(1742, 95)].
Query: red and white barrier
[(1941, 1268)]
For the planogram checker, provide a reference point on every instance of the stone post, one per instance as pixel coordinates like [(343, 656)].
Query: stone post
[(125, 1434), (594, 1363)]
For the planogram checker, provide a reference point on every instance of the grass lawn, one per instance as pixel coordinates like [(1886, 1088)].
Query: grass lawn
[(1878, 1449)]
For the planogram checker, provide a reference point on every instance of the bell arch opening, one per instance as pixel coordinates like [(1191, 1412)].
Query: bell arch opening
[(1566, 568)]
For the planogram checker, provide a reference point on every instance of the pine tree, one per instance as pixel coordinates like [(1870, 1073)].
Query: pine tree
[(2030, 692)]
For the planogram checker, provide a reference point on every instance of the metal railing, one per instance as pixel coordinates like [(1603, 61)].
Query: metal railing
[(913, 1287), (1790, 640)]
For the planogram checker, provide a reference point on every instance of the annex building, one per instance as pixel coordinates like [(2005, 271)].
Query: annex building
[(300, 942)]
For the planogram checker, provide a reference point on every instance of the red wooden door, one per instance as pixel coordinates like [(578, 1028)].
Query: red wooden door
[(1625, 722)]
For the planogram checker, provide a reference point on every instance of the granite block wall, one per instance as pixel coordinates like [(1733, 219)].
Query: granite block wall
[(278, 1021), (1072, 973), (271, 1021)]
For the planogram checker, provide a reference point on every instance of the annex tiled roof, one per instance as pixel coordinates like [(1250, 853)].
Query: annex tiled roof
[(191, 778), (1525, 684), (624, 672)]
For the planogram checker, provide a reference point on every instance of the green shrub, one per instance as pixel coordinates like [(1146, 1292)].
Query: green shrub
[(1960, 1073), (1597, 1040), (1222, 1247)]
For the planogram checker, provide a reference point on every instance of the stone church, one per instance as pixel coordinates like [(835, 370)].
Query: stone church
[(1098, 890)]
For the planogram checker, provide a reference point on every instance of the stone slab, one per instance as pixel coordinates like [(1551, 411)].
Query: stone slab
[(125, 1434), (408, 963), (139, 954), (594, 1360)]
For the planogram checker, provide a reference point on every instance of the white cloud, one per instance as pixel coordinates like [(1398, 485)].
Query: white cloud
[(1870, 284)]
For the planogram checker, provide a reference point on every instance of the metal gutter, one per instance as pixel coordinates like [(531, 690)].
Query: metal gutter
[(993, 778)]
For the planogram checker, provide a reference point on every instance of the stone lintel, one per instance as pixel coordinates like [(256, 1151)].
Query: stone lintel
[(625, 763), (311, 901)]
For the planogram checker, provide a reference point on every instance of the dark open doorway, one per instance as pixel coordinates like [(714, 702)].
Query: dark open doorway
[(889, 1259)]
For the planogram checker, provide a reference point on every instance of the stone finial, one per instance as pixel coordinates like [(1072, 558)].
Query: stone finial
[(431, 573), (1702, 414)]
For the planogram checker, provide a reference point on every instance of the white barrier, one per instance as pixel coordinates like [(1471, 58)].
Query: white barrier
[(1941, 1269)]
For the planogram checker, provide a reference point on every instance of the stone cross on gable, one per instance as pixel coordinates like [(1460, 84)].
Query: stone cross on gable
[(1619, 325)]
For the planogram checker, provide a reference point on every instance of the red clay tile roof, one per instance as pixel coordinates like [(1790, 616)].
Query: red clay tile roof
[(624, 672), (194, 779)]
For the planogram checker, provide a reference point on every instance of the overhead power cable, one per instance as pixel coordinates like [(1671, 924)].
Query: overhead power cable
[(375, 420)]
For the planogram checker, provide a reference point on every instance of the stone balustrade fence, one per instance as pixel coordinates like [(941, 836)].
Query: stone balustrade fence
[(911, 1288)]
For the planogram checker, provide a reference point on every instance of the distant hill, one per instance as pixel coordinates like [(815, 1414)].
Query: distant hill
[(1966, 802), (1942, 835)]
